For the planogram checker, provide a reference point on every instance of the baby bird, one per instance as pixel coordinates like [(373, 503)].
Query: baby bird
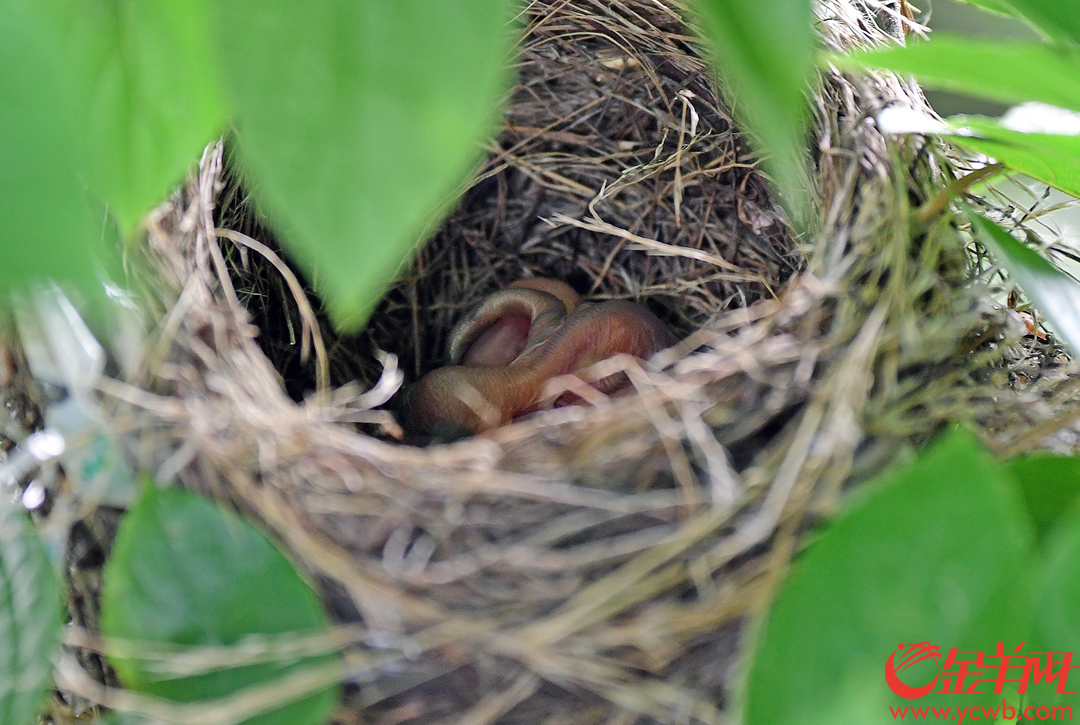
[(505, 351)]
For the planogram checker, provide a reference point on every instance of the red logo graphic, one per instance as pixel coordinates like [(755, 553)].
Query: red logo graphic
[(912, 654), (964, 671)]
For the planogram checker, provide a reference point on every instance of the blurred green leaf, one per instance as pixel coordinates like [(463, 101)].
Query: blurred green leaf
[(184, 571), (357, 121), (1056, 294), (49, 226), (929, 554), (764, 51), (1011, 71), (1000, 7), (122, 718), (1057, 613), (1050, 158), (1059, 19), (145, 81), (29, 618), (1049, 485)]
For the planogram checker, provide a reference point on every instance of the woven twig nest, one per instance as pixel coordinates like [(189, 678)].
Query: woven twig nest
[(596, 563)]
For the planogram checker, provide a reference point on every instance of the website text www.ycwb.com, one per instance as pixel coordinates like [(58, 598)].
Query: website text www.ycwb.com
[(976, 712)]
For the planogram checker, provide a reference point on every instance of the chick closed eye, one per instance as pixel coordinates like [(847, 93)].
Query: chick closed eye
[(505, 323), (499, 343)]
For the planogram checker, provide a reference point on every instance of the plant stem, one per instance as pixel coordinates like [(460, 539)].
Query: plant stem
[(936, 206)]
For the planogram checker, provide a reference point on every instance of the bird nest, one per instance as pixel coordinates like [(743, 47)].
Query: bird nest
[(595, 563)]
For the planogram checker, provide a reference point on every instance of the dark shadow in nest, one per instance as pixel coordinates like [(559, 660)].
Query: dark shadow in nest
[(617, 170)]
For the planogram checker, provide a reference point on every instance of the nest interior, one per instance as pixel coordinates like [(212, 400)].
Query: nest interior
[(618, 170), (592, 564)]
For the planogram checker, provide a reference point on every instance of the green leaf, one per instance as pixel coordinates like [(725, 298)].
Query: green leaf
[(1055, 293), (930, 554), (1010, 71), (1057, 614), (357, 121), (1051, 158), (121, 718), (49, 226), (184, 571), (29, 618), (145, 81), (1059, 19), (1000, 7), (1049, 485), (764, 51)]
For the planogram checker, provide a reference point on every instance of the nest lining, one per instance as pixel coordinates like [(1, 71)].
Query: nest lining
[(596, 564)]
